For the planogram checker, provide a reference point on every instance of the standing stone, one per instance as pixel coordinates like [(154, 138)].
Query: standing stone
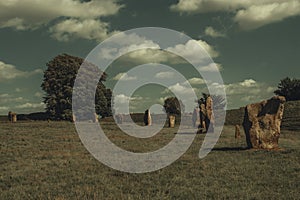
[(96, 118), (203, 117), (14, 117), (237, 132), (9, 116), (209, 121), (196, 118), (147, 118), (119, 118), (262, 123), (171, 121)]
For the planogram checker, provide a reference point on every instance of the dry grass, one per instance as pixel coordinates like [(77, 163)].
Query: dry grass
[(47, 161)]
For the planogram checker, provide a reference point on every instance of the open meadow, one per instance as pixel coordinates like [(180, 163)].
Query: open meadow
[(41, 160)]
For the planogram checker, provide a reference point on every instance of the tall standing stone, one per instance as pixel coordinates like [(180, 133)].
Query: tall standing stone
[(209, 121), (237, 132), (147, 118), (262, 123), (196, 118)]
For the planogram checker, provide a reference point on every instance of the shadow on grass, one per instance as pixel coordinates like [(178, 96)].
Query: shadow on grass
[(184, 133), (230, 149)]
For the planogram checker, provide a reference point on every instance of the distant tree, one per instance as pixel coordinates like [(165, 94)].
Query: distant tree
[(289, 88), (58, 84), (173, 106), (218, 101)]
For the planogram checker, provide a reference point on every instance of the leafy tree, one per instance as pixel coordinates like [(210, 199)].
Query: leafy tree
[(289, 88), (173, 106), (58, 84)]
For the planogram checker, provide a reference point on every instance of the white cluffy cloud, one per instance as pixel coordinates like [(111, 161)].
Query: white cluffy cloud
[(163, 75), (91, 29), (212, 67), (256, 16), (195, 81), (189, 50), (245, 92), (210, 31), (27, 14), (8, 72), (249, 14), (7, 98), (238, 93), (31, 105), (124, 77), (18, 104), (75, 18), (121, 103), (139, 49)]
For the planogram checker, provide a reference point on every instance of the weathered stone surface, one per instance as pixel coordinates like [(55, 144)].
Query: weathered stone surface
[(206, 115), (9, 116), (203, 116), (196, 117), (119, 118), (96, 118), (12, 117), (210, 120), (262, 123), (147, 118), (237, 132), (171, 121)]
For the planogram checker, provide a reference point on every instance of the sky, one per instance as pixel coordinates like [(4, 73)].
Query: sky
[(253, 43)]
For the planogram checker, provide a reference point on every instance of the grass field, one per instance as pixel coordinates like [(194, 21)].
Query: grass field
[(41, 160)]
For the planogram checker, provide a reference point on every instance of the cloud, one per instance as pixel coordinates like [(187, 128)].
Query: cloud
[(241, 93), (29, 14), (122, 98), (259, 15), (151, 55), (31, 105), (248, 83), (16, 23), (190, 50), (135, 47), (180, 88), (249, 14), (195, 81), (248, 86), (121, 102), (8, 72), (247, 91), (38, 94), (4, 95), (124, 77), (205, 6), (212, 67), (163, 75), (6, 98), (19, 104), (91, 29), (210, 31), (4, 108), (139, 49)]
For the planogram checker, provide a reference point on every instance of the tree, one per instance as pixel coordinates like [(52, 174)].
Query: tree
[(173, 106), (58, 84), (289, 88)]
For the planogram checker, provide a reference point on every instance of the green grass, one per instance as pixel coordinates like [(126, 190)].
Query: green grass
[(40, 160)]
